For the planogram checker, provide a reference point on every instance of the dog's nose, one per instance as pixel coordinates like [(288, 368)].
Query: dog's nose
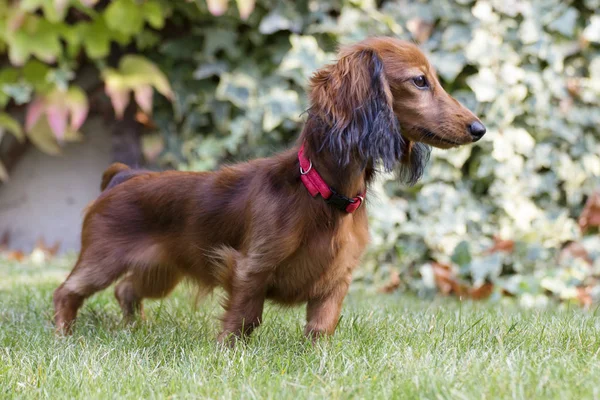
[(477, 130)]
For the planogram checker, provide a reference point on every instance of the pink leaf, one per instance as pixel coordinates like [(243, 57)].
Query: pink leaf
[(78, 106), (217, 7), (119, 99), (34, 110), (78, 116), (143, 96), (57, 119), (245, 8)]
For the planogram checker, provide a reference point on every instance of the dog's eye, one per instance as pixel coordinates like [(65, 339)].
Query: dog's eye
[(421, 82)]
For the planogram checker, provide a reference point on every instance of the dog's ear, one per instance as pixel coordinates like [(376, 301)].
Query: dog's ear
[(352, 99)]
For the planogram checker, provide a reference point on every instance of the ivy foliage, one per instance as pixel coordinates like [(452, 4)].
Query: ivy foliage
[(231, 78)]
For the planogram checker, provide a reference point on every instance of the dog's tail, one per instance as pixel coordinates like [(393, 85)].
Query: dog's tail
[(114, 174), (109, 174)]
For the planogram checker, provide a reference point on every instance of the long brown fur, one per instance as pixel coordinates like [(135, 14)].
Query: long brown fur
[(253, 228)]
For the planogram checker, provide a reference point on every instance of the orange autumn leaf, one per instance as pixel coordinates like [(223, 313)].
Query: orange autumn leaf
[(584, 297), (504, 245), (590, 216), (446, 280), (482, 292), (144, 119), (15, 256), (393, 284)]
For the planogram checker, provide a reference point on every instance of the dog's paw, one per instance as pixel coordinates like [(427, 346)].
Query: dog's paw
[(228, 339)]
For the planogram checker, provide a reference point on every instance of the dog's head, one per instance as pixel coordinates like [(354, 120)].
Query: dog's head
[(382, 102)]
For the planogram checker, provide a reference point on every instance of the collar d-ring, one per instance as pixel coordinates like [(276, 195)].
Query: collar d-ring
[(303, 172)]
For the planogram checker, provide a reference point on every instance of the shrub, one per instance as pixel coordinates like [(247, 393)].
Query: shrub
[(499, 212)]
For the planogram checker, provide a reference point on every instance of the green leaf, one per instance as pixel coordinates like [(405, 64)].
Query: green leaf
[(35, 72), (217, 39), (95, 38), (237, 88), (71, 35), (592, 31), (31, 5), (279, 105), (154, 14), (124, 16), (139, 70), (20, 92), (303, 59), (55, 10), (8, 123), (279, 19), (484, 84), (449, 65), (565, 24), (462, 254), (19, 49), (41, 136), (45, 42)]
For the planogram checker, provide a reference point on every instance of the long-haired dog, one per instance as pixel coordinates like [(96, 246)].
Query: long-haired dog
[(290, 228)]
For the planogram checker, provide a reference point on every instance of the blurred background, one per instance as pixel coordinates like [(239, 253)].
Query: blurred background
[(194, 84)]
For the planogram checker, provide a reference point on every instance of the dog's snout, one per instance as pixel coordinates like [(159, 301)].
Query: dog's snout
[(477, 130)]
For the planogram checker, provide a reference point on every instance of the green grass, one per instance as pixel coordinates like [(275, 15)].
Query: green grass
[(386, 346)]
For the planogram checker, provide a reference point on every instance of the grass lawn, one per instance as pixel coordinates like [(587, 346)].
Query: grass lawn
[(386, 346)]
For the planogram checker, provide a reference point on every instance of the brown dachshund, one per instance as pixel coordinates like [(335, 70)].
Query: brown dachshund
[(289, 228)]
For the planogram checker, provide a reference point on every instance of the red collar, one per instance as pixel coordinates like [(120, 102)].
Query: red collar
[(316, 185)]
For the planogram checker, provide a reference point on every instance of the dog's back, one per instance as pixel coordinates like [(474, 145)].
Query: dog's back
[(118, 173)]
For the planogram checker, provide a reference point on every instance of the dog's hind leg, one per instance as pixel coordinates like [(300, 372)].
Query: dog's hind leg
[(91, 274), (153, 282)]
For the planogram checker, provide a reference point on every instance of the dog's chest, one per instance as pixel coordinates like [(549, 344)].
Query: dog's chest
[(319, 264)]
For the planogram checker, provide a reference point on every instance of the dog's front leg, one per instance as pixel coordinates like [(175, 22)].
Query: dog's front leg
[(323, 313), (244, 305)]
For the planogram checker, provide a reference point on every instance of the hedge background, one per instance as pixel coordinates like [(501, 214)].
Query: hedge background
[(500, 217)]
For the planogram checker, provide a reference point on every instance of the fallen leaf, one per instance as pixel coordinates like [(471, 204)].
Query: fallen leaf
[(584, 296), (15, 255), (446, 280), (393, 283), (482, 292), (504, 245), (590, 216)]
